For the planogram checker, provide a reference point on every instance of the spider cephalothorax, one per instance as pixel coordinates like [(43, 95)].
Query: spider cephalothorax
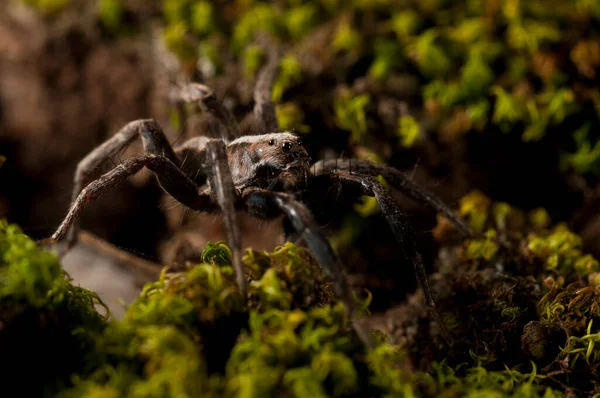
[(264, 174), (260, 160)]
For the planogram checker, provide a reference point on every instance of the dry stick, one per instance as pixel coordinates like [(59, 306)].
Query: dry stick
[(144, 270)]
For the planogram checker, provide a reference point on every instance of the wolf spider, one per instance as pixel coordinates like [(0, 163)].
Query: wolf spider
[(263, 174)]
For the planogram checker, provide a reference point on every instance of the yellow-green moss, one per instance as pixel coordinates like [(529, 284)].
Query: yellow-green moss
[(350, 113), (561, 250), (190, 334)]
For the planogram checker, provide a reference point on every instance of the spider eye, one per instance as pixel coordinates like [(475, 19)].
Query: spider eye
[(271, 142), (287, 147), (299, 142)]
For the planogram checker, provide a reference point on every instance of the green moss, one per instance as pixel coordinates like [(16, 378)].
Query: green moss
[(474, 208), (409, 131), (111, 13), (287, 278), (574, 309), (508, 110), (175, 38), (561, 251), (42, 315), (202, 18), (192, 334), (346, 38), (290, 73), (259, 17), (476, 75), (300, 20), (31, 277), (291, 117), (405, 23), (253, 57), (483, 248), (48, 7), (350, 113), (296, 353), (387, 57), (586, 158), (429, 55)]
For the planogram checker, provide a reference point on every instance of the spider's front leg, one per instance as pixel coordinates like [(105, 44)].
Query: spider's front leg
[(221, 183), (267, 204), (171, 177), (402, 229), (154, 142), (164, 162), (396, 179)]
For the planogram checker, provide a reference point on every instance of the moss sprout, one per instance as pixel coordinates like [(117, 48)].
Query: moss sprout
[(408, 130), (350, 113), (291, 117), (111, 13), (261, 16), (252, 58), (42, 315), (48, 7), (346, 38), (561, 251), (290, 73)]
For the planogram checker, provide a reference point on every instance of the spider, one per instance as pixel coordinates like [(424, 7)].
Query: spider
[(264, 174)]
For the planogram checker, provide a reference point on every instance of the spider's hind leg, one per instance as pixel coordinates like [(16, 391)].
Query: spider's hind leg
[(397, 180)]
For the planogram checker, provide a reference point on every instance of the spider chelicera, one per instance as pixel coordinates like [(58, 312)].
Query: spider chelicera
[(263, 174)]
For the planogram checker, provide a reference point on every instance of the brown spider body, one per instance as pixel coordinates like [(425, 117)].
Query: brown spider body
[(258, 160)]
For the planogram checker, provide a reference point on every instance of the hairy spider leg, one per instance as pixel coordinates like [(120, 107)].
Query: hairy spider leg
[(164, 162), (181, 188), (264, 109), (212, 105), (398, 180), (260, 202), (403, 231), (221, 183), (87, 168)]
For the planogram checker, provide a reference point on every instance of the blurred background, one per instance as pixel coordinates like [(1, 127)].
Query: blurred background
[(496, 96)]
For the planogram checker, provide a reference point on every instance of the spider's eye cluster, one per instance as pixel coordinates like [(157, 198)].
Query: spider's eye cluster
[(287, 146), (271, 142)]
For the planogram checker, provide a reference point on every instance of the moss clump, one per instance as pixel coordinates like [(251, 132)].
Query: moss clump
[(190, 334), (561, 251), (574, 310), (350, 113), (287, 278), (44, 319), (524, 291), (296, 353), (48, 7)]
